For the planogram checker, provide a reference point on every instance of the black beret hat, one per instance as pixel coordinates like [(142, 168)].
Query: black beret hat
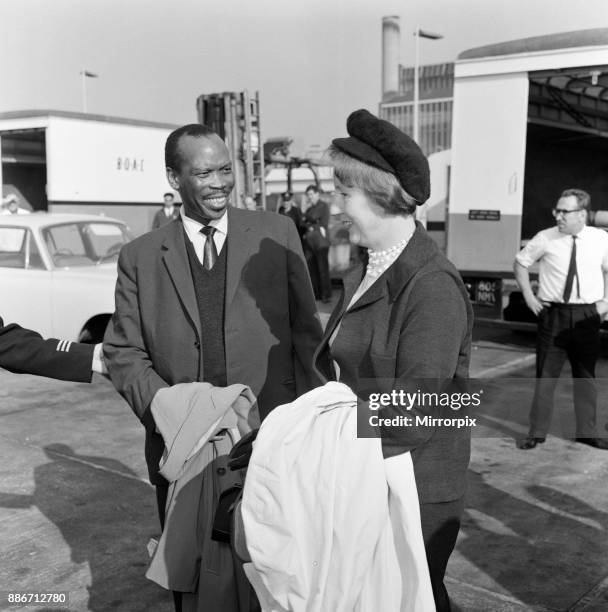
[(380, 144)]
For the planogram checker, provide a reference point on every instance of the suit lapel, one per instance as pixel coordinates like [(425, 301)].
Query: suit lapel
[(350, 282), (240, 241), (419, 250), (176, 261)]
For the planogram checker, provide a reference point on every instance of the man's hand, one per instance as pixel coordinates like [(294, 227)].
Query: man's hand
[(602, 308), (533, 303), (99, 365)]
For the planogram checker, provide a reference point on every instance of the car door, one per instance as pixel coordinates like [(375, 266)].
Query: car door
[(25, 281)]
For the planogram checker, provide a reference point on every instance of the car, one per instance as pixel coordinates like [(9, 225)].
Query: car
[(58, 272)]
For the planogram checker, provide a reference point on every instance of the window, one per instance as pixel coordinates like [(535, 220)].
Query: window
[(106, 239), (18, 249), (84, 243)]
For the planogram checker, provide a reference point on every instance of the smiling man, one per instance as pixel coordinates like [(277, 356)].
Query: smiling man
[(221, 296), (571, 302)]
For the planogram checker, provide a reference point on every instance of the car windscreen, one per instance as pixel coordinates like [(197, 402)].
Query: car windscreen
[(84, 243)]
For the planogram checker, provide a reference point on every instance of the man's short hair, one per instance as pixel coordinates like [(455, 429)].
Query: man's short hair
[(378, 185), (172, 157), (312, 188), (168, 195), (583, 199)]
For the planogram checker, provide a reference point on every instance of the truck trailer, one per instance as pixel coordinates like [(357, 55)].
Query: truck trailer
[(530, 119), (80, 163)]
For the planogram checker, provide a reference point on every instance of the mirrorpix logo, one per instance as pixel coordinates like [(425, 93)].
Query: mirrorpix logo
[(400, 401)]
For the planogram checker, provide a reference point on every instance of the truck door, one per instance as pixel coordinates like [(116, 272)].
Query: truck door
[(24, 166), (488, 153)]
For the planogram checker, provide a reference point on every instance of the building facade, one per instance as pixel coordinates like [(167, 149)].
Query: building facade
[(436, 87)]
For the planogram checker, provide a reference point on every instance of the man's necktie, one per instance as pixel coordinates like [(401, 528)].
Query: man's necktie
[(210, 252), (572, 272)]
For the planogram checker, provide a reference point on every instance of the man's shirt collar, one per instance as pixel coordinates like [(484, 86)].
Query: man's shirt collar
[(193, 227)]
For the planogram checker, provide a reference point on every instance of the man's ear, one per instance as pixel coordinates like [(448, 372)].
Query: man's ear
[(172, 178)]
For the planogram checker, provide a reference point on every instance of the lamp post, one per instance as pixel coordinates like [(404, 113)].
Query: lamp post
[(419, 34), (86, 74)]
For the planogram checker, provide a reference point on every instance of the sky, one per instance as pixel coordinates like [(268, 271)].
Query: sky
[(313, 61)]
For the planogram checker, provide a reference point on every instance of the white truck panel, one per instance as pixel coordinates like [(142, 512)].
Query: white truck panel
[(488, 155), (569, 57), (488, 143), (97, 161)]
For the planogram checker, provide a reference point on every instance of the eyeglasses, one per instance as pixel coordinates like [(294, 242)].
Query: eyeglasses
[(563, 212)]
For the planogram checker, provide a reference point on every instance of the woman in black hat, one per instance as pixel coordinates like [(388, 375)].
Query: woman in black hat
[(403, 320)]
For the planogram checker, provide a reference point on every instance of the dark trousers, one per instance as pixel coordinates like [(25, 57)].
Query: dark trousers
[(161, 501), (318, 268), (566, 332), (440, 526)]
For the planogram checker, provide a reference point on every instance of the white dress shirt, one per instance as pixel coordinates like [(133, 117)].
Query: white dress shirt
[(193, 231), (553, 249)]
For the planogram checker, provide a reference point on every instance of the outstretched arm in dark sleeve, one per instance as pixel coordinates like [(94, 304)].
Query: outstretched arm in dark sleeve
[(24, 351)]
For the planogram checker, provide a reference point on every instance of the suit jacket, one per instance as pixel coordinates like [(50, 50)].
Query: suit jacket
[(24, 351), (161, 219), (271, 327), (318, 216), (413, 324), (295, 214)]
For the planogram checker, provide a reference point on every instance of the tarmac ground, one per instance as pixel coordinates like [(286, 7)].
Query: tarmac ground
[(76, 510)]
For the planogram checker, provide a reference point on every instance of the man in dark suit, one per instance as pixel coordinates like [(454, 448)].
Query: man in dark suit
[(24, 351), (316, 238), (290, 209), (220, 296), (167, 213)]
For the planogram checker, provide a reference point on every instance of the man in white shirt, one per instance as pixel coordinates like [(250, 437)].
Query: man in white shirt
[(571, 302)]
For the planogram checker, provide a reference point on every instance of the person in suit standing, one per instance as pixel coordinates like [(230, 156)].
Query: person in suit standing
[(290, 209), (572, 300), (24, 351), (404, 317), (167, 213), (316, 238), (221, 296)]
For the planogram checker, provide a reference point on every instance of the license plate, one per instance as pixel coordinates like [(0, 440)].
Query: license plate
[(485, 292)]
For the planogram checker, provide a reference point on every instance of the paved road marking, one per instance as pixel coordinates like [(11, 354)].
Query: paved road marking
[(503, 368), (595, 595)]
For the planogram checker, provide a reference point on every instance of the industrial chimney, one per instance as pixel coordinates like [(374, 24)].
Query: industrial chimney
[(390, 56)]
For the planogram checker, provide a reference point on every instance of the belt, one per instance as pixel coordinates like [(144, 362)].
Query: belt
[(570, 306)]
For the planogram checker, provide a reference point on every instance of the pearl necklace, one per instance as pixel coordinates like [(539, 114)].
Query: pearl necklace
[(379, 261)]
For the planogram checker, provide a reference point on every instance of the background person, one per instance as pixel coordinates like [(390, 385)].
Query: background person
[(249, 202), (403, 316), (169, 212), (316, 238), (572, 300), (11, 206), (290, 209)]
